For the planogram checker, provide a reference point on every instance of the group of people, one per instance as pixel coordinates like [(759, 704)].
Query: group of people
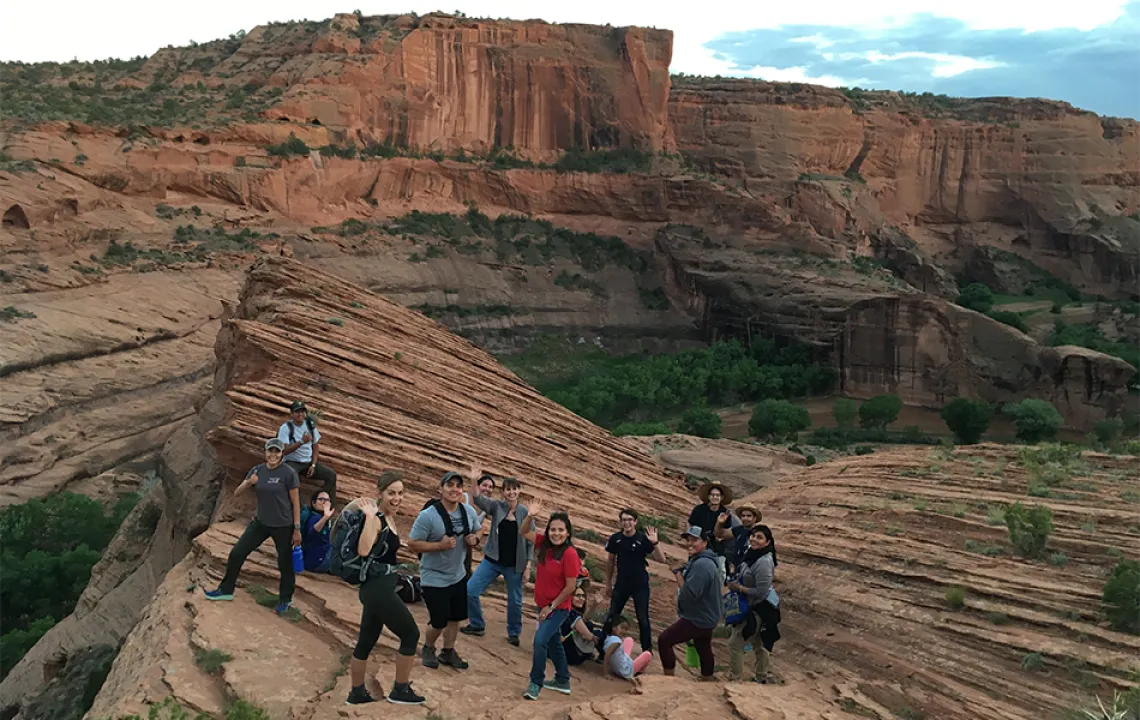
[(731, 559)]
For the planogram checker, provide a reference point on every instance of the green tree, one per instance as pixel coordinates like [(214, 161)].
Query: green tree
[(700, 421), (976, 296), (845, 411), (1107, 431), (1029, 528), (1035, 420), (778, 419), (1122, 597), (880, 411), (1012, 319), (967, 419)]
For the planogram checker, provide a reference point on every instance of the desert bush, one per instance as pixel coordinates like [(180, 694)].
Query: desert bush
[(955, 598), (1029, 528), (967, 419), (1006, 317), (1121, 597), (880, 411), (976, 296), (778, 419), (645, 428), (1035, 420), (1107, 431), (700, 421), (845, 411), (293, 145)]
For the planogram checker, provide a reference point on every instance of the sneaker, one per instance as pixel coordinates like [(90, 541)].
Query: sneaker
[(404, 695), (429, 658), (359, 696), (448, 656), (562, 686), (532, 691), (283, 607), (513, 640), (218, 595), (472, 630)]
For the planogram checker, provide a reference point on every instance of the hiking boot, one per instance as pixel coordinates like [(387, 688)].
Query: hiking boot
[(402, 694), (513, 640), (283, 607), (429, 658), (562, 686), (532, 691), (359, 696), (470, 629), (448, 656), (218, 595)]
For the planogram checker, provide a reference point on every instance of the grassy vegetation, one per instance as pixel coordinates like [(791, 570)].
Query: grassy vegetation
[(11, 313), (1088, 335)]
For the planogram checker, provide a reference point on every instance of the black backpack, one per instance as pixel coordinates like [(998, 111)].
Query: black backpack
[(408, 588), (308, 423), (346, 563), (448, 528)]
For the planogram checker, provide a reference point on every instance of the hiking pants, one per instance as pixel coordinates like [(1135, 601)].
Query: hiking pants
[(621, 595), (683, 631), (322, 474), (736, 653), (383, 607), (255, 534)]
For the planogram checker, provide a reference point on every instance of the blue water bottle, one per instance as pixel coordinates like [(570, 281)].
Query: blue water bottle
[(298, 560)]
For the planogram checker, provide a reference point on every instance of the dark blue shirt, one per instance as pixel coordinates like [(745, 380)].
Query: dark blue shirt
[(315, 544)]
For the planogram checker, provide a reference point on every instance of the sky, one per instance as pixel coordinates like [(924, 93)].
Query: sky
[(1086, 53)]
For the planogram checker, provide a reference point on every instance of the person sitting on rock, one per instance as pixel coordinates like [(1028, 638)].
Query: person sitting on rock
[(442, 531), (737, 537), (278, 517), (579, 636), (302, 441), (699, 605), (628, 549), (506, 554), (757, 570), (618, 660), (715, 499), (556, 577), (381, 606), (315, 528)]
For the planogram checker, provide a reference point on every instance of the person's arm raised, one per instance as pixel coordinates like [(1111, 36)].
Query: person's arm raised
[(527, 529), (651, 535), (372, 525)]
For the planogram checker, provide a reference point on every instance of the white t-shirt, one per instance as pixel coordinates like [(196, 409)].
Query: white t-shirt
[(620, 663), (303, 454)]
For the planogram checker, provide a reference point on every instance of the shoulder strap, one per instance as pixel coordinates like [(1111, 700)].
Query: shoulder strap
[(290, 426), (448, 528), (312, 430)]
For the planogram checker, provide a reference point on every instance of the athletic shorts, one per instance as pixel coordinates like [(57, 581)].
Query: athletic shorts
[(446, 604)]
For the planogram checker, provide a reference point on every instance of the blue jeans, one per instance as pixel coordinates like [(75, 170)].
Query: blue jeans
[(483, 576), (548, 643)]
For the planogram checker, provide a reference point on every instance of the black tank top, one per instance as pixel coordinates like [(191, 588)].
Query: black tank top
[(389, 555)]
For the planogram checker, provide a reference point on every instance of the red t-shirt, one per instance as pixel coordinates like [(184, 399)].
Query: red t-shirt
[(550, 576)]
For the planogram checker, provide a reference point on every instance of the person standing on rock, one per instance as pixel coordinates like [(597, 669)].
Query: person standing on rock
[(278, 517), (757, 570), (557, 565), (698, 605), (715, 499), (507, 554), (381, 606), (302, 441), (628, 549), (737, 537), (442, 532)]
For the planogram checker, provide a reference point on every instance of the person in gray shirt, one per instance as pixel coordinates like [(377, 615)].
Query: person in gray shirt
[(698, 604), (443, 576), (278, 517)]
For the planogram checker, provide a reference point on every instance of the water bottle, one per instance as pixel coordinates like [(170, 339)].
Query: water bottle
[(298, 560)]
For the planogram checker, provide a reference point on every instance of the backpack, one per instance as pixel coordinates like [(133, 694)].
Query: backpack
[(344, 561), (448, 528), (735, 605), (308, 423), (408, 588)]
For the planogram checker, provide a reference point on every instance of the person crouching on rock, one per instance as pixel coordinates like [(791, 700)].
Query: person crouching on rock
[(442, 532), (579, 637), (699, 605), (757, 569), (315, 530), (278, 517), (507, 554), (381, 606), (557, 565), (302, 442)]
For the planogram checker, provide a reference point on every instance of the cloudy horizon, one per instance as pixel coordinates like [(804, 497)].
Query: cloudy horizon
[(1086, 55)]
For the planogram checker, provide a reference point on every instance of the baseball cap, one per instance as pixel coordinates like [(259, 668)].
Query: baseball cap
[(297, 405), (274, 444), (449, 476), (697, 532)]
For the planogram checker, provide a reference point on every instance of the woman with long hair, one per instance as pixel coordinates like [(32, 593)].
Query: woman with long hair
[(579, 638), (556, 575), (757, 570), (380, 540)]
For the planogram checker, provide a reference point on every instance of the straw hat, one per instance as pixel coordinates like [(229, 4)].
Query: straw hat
[(741, 508), (725, 493)]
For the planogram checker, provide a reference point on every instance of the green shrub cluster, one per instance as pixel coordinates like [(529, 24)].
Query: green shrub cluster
[(49, 548), (1035, 420), (1088, 335)]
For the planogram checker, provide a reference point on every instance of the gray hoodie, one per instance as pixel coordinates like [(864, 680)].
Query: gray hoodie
[(497, 510), (699, 600)]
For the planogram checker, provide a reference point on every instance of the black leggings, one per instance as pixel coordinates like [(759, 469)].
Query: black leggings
[(255, 534), (382, 606)]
